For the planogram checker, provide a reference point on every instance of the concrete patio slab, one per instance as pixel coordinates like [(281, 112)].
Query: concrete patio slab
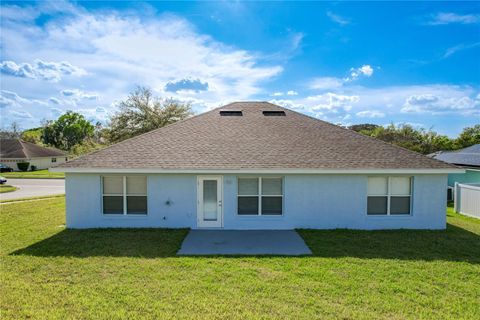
[(248, 242)]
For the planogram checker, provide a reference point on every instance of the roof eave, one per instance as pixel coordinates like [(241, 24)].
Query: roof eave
[(257, 171)]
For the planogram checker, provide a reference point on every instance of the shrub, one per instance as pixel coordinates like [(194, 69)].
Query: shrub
[(23, 166), (33, 168)]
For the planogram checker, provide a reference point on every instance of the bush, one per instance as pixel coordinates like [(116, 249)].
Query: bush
[(23, 166), (33, 168)]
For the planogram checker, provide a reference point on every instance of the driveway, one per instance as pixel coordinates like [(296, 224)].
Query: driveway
[(248, 242), (34, 188)]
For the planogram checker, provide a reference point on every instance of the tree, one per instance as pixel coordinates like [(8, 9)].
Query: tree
[(67, 131), (468, 137), (142, 112), (406, 136), (364, 127), (33, 135), (100, 134), (13, 132)]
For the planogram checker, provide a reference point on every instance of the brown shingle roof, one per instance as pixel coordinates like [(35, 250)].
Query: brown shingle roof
[(254, 141), (18, 149)]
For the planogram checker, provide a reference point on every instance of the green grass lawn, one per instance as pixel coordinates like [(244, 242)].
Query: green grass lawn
[(33, 198), (50, 272), (6, 188), (39, 174)]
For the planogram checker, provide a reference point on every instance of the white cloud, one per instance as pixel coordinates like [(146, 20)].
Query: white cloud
[(332, 83), (409, 103), (98, 114), (52, 71), (79, 94), (460, 47), (287, 103), (365, 70), (288, 93), (54, 100), (9, 98), (56, 112), (333, 102), (12, 99), (296, 40), (338, 19), (20, 114), (109, 50), (370, 114), (443, 18), (326, 83), (194, 85), (441, 103)]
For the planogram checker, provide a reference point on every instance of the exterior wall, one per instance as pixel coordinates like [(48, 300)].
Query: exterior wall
[(40, 163), (470, 176), (310, 201), (171, 203)]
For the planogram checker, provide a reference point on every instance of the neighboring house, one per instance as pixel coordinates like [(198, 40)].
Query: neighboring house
[(468, 159), (255, 165), (13, 151)]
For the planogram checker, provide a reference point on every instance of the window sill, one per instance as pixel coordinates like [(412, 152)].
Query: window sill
[(256, 217), (392, 216), (123, 216)]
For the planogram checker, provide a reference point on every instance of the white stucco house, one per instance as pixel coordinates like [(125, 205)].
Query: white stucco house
[(255, 165), (13, 151)]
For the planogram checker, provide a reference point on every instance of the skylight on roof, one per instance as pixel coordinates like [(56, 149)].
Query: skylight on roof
[(231, 113), (275, 113)]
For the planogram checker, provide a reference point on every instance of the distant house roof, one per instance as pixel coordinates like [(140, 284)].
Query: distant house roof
[(249, 138), (469, 156), (18, 149)]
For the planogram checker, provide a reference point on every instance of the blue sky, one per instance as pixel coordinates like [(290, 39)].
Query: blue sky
[(344, 62)]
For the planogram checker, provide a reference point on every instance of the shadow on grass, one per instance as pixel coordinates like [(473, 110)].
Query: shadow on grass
[(454, 244), (147, 243)]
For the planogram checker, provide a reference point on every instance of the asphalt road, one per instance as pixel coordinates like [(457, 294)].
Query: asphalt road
[(34, 188)]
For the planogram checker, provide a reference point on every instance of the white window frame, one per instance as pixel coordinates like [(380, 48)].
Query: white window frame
[(389, 195), (260, 196), (124, 195), (54, 160)]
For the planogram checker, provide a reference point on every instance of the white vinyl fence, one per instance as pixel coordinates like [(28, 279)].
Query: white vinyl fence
[(467, 199)]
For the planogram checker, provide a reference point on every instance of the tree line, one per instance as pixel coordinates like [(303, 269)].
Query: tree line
[(419, 139), (142, 112)]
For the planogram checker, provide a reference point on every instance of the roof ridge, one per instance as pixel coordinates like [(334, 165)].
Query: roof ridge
[(24, 150)]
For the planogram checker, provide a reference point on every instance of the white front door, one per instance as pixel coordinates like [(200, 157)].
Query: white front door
[(209, 202)]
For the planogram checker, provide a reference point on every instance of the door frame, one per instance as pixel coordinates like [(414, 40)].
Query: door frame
[(209, 224)]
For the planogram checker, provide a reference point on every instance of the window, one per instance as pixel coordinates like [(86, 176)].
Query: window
[(389, 195), (260, 196), (54, 159), (66, 158), (125, 195)]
